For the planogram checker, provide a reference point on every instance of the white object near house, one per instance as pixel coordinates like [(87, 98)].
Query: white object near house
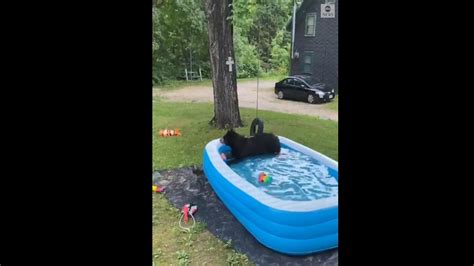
[(229, 62), (328, 11)]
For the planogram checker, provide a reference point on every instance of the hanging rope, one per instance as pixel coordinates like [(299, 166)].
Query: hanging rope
[(258, 70), (257, 122)]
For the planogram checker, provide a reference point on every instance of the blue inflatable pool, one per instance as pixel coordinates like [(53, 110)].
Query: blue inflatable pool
[(283, 222)]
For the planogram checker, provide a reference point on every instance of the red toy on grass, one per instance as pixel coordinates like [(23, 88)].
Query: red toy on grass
[(188, 209), (158, 189)]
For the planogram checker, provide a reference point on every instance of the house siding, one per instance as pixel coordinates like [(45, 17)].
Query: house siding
[(324, 44)]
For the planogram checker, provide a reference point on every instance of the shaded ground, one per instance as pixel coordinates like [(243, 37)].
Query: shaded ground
[(189, 185), (247, 91)]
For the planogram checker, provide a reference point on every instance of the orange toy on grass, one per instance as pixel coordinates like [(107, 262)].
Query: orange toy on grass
[(170, 132)]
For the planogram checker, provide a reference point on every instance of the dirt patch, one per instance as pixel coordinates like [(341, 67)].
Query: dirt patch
[(247, 92)]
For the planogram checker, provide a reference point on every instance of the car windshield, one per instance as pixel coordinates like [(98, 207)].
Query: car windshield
[(310, 80)]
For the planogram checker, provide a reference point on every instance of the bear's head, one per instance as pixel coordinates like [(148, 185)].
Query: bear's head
[(230, 138)]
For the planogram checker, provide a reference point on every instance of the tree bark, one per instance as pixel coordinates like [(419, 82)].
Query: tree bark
[(221, 47)]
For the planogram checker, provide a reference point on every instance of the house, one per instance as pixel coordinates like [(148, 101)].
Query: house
[(314, 49)]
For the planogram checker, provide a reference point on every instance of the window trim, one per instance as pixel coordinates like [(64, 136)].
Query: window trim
[(311, 64), (313, 14)]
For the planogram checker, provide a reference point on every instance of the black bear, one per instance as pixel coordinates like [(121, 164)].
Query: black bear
[(262, 143)]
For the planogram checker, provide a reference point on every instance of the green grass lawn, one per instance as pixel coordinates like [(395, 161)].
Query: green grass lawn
[(334, 104), (170, 245), (192, 120)]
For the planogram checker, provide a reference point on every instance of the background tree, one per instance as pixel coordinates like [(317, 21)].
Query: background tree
[(180, 26), (270, 17)]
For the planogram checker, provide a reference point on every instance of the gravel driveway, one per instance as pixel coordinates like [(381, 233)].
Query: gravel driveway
[(247, 93)]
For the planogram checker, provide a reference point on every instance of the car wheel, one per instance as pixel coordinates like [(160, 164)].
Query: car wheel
[(280, 95), (311, 98)]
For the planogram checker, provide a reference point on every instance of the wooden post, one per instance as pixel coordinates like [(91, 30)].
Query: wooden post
[(200, 74), (186, 73)]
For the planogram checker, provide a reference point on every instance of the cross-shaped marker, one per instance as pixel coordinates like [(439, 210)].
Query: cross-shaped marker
[(229, 62)]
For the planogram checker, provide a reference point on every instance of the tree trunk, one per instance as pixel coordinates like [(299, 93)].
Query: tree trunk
[(221, 47)]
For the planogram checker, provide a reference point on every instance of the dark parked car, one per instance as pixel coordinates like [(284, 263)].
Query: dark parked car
[(303, 88)]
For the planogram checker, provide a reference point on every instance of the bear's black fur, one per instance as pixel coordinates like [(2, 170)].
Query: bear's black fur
[(263, 143)]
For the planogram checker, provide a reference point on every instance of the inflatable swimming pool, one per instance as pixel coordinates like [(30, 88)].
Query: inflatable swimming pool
[(292, 218)]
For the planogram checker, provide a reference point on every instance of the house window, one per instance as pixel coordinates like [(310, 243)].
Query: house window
[(310, 25), (308, 63)]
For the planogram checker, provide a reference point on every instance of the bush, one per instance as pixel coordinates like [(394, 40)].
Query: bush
[(280, 53), (246, 58)]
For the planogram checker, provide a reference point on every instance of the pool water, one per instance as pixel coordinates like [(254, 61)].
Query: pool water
[(295, 176)]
